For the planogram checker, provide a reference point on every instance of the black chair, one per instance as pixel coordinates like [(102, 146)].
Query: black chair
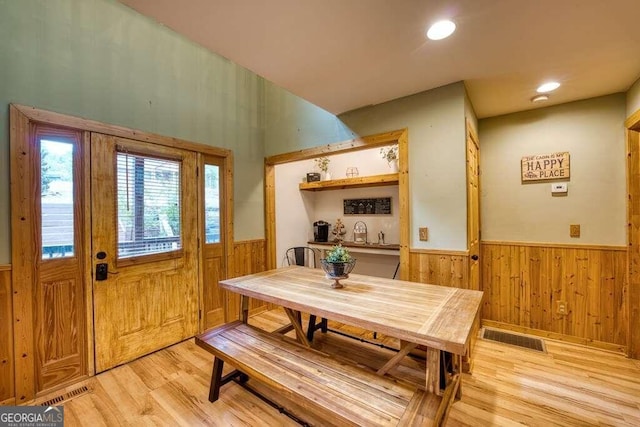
[(306, 257)]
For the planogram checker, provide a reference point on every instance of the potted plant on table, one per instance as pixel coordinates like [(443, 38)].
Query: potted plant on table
[(337, 264)]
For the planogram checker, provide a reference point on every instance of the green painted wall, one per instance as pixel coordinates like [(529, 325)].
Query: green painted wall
[(291, 123), (101, 60)]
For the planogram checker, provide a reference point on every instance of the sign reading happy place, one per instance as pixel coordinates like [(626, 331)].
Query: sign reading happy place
[(545, 167)]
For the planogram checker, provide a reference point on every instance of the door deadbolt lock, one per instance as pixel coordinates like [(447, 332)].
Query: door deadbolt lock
[(102, 270)]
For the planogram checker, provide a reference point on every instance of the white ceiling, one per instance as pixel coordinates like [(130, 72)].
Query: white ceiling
[(346, 54)]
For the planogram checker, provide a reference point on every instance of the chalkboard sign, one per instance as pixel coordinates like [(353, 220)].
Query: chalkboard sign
[(378, 206)]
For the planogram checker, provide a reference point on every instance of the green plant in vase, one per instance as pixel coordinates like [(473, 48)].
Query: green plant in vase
[(322, 163), (337, 264), (390, 154)]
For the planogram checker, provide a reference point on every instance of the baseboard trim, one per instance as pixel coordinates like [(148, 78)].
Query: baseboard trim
[(615, 348)]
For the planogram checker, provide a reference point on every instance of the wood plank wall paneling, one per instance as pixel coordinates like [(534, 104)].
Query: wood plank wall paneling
[(523, 284), (7, 393), (248, 257), (441, 268)]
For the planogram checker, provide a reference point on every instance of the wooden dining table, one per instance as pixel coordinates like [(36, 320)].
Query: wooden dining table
[(438, 318)]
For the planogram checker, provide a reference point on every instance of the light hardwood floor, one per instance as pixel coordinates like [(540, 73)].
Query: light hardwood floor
[(569, 385)]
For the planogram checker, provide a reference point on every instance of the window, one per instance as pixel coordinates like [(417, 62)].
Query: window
[(149, 205), (56, 199), (212, 203)]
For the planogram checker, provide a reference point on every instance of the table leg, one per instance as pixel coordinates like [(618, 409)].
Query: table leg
[(295, 317), (433, 371), (244, 308), (457, 368)]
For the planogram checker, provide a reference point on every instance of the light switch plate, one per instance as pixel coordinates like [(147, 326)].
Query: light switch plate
[(574, 230), (424, 234), (559, 188)]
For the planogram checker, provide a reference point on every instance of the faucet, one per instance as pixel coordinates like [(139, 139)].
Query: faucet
[(360, 232)]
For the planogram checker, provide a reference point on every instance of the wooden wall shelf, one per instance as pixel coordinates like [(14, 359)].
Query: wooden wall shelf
[(360, 181)]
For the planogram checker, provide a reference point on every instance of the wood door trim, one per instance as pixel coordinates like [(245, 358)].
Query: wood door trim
[(472, 138), (270, 213), (633, 236), (22, 258), (400, 137), (228, 214), (553, 245), (5, 267), (200, 225), (633, 121), (404, 201), (88, 264), (34, 114)]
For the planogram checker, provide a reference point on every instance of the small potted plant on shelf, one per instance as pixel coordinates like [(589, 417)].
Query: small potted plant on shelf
[(390, 154), (337, 264), (322, 163)]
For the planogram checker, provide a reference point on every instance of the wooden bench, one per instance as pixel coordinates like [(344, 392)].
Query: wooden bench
[(336, 391)]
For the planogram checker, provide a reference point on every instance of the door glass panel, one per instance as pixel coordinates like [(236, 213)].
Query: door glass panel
[(56, 199), (212, 203), (149, 205)]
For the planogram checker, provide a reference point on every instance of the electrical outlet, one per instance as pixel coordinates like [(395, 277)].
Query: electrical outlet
[(574, 230), (561, 308), (424, 234)]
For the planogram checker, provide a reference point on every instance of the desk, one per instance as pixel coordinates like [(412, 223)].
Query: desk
[(437, 317)]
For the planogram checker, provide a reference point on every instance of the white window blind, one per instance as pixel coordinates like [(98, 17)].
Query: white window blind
[(149, 205)]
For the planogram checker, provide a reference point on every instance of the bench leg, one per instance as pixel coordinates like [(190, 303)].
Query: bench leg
[(216, 379)]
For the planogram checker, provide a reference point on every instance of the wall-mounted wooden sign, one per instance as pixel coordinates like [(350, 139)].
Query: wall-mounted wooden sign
[(379, 206), (545, 167)]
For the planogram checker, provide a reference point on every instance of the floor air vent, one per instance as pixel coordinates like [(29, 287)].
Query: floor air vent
[(66, 396), (514, 339)]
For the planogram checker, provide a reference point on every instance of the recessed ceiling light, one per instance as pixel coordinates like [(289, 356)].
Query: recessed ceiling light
[(441, 30), (540, 98), (548, 87)]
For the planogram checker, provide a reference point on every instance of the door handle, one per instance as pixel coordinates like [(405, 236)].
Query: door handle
[(474, 257)]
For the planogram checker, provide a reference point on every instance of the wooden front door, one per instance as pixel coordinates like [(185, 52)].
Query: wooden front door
[(212, 236), (144, 250), (473, 208)]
